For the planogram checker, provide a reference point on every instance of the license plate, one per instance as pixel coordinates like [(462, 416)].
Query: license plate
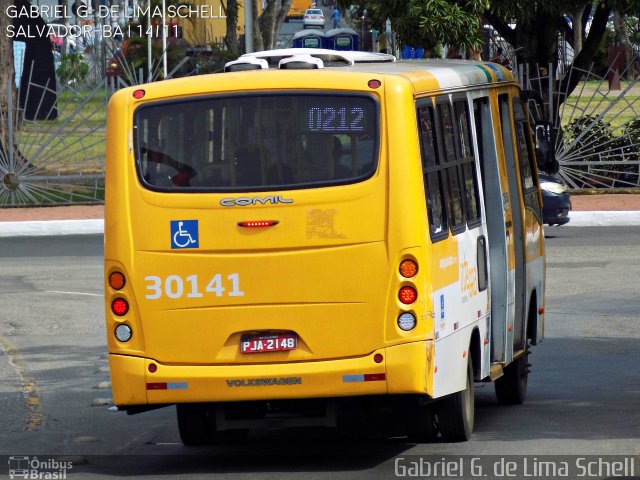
[(268, 343)]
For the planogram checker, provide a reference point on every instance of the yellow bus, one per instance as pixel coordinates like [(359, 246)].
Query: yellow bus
[(297, 9), (314, 230)]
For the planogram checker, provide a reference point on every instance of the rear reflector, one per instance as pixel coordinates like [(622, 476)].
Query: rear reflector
[(157, 386)]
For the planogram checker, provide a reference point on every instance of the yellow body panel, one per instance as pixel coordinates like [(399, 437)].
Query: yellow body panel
[(404, 366)]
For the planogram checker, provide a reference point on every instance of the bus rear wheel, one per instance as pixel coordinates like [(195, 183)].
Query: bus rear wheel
[(196, 424), (456, 412), (420, 421), (511, 388)]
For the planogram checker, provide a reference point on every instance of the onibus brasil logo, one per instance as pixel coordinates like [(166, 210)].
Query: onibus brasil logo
[(34, 468)]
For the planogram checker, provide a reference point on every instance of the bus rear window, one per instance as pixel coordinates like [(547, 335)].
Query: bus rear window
[(257, 142)]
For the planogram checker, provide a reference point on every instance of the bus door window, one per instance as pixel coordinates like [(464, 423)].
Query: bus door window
[(432, 172)]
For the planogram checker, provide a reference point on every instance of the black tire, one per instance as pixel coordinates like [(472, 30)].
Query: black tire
[(511, 388), (196, 423), (420, 421), (456, 412)]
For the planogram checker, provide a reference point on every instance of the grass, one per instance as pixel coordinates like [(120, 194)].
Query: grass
[(76, 141)]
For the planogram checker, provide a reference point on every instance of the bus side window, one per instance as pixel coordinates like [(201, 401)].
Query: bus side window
[(525, 158), (449, 157), (465, 154), (432, 173), (524, 153)]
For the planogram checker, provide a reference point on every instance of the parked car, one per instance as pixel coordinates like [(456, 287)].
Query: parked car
[(313, 17), (556, 203)]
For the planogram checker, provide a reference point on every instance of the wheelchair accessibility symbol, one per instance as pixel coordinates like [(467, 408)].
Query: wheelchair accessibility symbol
[(184, 234)]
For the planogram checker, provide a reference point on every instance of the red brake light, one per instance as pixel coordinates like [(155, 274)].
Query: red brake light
[(258, 223), (138, 94), (120, 307), (374, 83), (407, 295)]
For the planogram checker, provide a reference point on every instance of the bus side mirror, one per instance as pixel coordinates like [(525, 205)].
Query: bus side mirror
[(545, 147)]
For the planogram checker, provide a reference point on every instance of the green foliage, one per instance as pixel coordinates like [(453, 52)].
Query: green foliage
[(428, 23), (597, 139), (213, 62), (133, 55), (72, 69)]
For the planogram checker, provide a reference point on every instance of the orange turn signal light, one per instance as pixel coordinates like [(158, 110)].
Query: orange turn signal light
[(116, 280), (408, 268)]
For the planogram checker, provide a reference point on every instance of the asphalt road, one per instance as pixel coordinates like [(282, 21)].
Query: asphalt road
[(584, 390)]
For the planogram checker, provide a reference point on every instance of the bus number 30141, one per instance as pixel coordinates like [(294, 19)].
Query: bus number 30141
[(175, 286)]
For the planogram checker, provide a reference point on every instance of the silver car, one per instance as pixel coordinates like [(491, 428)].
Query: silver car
[(313, 17)]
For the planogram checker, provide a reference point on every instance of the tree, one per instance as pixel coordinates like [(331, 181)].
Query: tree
[(267, 24), (38, 97), (538, 24), (623, 37), (7, 82), (428, 23), (532, 28), (231, 38)]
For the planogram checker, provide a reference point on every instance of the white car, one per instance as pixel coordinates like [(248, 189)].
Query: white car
[(313, 17)]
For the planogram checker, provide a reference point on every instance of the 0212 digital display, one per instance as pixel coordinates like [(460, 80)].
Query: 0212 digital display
[(336, 119)]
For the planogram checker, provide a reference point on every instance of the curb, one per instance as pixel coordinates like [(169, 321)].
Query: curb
[(604, 219), (96, 226), (51, 227)]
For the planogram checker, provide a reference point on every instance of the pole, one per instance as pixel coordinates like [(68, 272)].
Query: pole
[(149, 61), (248, 26), (164, 40)]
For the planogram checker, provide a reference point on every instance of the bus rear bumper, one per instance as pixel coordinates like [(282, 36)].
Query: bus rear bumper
[(404, 369)]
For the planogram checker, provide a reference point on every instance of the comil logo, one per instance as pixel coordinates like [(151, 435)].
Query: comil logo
[(245, 201), (35, 468)]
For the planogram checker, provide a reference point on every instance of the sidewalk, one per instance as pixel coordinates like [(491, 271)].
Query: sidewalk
[(588, 210)]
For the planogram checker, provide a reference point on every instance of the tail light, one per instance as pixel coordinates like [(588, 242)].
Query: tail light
[(123, 332), (407, 295), (120, 307), (408, 268), (117, 280), (407, 321)]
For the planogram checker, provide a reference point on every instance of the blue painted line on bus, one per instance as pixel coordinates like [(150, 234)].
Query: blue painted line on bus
[(352, 378), (177, 385)]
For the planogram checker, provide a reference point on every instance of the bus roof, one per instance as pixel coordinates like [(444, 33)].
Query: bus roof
[(448, 73)]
